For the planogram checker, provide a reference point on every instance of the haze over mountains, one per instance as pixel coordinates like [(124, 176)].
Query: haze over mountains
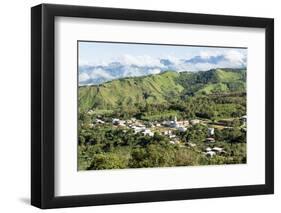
[(134, 66)]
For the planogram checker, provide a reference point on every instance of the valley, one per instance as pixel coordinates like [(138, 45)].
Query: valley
[(167, 119)]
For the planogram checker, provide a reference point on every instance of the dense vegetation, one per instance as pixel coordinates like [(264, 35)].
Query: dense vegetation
[(216, 97)]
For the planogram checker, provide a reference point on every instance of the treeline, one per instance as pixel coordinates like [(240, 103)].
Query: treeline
[(212, 107)]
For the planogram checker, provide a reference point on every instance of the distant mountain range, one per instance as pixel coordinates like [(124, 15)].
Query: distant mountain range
[(98, 74), (160, 88)]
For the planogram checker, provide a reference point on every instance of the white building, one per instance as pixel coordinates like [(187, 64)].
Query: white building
[(90, 112), (183, 123), (195, 121), (122, 123), (244, 119), (148, 132), (191, 144), (217, 149), (211, 131), (181, 129), (173, 123), (179, 125), (210, 153), (91, 125), (208, 149), (172, 136), (115, 121), (137, 129), (99, 121)]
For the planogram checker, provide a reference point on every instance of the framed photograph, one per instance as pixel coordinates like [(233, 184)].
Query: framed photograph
[(136, 106)]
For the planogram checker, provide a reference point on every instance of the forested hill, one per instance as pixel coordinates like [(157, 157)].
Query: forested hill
[(161, 88)]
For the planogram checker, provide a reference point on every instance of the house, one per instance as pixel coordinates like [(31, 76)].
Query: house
[(208, 149), (180, 125), (99, 121), (191, 144), (210, 140), (194, 121), (183, 123), (122, 123), (217, 149), (210, 153), (174, 141), (174, 123), (129, 122), (211, 131), (90, 125), (165, 123), (137, 129), (147, 132), (181, 129), (228, 127), (90, 112), (115, 121), (140, 125), (244, 119), (172, 136)]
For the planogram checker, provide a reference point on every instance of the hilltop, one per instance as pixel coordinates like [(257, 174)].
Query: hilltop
[(161, 88)]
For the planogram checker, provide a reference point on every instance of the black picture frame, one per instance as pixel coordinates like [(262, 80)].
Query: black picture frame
[(43, 102)]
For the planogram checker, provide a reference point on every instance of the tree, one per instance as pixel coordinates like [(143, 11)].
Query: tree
[(231, 135), (153, 155), (108, 161), (195, 134)]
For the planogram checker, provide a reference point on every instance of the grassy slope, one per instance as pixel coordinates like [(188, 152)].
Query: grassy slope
[(153, 88), (226, 81), (159, 88)]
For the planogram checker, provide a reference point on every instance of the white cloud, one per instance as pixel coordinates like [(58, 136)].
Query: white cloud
[(143, 60), (235, 57), (100, 73), (130, 71), (83, 77), (208, 54), (154, 71), (132, 65)]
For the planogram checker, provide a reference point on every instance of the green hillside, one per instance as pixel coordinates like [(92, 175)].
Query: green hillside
[(160, 88)]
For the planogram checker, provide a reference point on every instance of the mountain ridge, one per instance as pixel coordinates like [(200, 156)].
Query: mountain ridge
[(160, 88)]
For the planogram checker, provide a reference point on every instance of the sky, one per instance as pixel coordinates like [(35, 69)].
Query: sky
[(99, 62)]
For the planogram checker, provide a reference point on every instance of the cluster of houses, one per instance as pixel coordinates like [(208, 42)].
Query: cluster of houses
[(169, 128), (166, 128), (134, 124), (137, 126)]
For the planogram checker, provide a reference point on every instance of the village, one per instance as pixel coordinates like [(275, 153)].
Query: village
[(170, 128)]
